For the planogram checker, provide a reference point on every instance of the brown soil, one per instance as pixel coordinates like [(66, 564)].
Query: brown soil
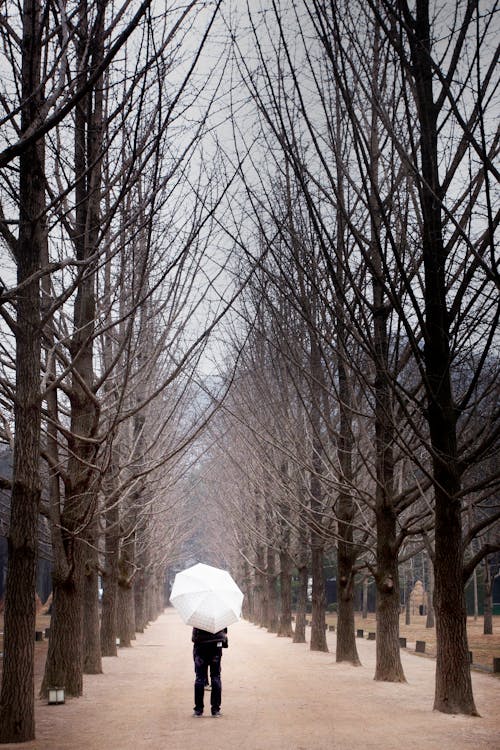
[(276, 696), (482, 647)]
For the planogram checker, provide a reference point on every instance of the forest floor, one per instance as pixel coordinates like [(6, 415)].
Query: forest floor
[(277, 695)]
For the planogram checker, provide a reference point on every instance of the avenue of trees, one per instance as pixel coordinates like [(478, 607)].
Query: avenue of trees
[(307, 194), (364, 413), (106, 215)]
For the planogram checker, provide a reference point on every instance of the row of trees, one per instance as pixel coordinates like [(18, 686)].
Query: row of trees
[(357, 195), (105, 218), (364, 414)]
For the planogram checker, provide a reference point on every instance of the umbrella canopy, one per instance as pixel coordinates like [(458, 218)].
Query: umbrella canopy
[(206, 597)]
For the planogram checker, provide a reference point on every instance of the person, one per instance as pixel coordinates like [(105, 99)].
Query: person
[(207, 654)]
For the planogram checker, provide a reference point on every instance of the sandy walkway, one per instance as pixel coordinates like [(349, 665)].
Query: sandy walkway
[(276, 696)]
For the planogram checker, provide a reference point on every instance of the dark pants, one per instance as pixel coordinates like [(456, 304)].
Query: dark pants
[(207, 658)]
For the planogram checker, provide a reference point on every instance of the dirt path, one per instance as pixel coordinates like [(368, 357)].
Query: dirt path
[(276, 696)]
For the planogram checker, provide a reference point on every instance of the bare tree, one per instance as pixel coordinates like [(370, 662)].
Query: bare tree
[(17, 718), (69, 101), (424, 69), (430, 241)]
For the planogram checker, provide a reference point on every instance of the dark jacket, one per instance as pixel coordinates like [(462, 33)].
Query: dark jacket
[(204, 638)]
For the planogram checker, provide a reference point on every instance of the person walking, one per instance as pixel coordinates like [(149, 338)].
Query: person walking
[(207, 655)]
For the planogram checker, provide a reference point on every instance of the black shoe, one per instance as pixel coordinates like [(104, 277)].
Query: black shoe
[(197, 713), (216, 714)]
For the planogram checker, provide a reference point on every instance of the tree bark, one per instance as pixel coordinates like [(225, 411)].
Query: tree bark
[(318, 595), (65, 657), (261, 592), (475, 591), (248, 610), (388, 667), (64, 663), (346, 642), (365, 597), (109, 611), (453, 683), (17, 708), (285, 613), (92, 662), (126, 602), (488, 599), (408, 584), (346, 550), (285, 618), (144, 599), (430, 619), (299, 635), (318, 621), (272, 592)]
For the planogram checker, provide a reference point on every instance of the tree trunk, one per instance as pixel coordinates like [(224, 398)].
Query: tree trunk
[(430, 620), (261, 584), (64, 663), (111, 503), (389, 667), (159, 593), (285, 619), (126, 602), (453, 683), (299, 635), (346, 550), (92, 662), (272, 593), (145, 582), (109, 613), (475, 592), (318, 622), (156, 597), (346, 642), (488, 599), (126, 614), (17, 717), (248, 610), (365, 598), (409, 584), (260, 599), (144, 600)]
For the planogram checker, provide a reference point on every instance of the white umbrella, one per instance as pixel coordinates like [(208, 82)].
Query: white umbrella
[(206, 597)]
